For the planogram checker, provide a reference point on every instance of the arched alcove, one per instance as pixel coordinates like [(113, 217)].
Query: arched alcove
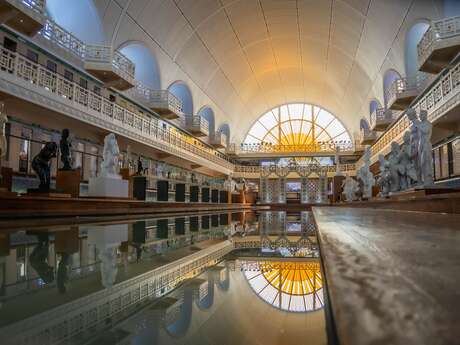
[(147, 69), (373, 105), (364, 125), (182, 91), (225, 129), (413, 37), (208, 114), (69, 15), (388, 78)]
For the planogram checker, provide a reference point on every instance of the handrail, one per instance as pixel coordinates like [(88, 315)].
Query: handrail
[(255, 169), (322, 146), (438, 94), (438, 30), (15, 64), (158, 98), (37, 6), (106, 54)]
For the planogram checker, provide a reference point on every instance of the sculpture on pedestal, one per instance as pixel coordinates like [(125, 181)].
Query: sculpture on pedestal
[(350, 188), (425, 150), (415, 142), (384, 178), (140, 166), (3, 141), (364, 174), (394, 166), (408, 174), (41, 165), (64, 146), (110, 157)]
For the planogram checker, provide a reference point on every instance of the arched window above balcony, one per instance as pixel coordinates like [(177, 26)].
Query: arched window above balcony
[(297, 124)]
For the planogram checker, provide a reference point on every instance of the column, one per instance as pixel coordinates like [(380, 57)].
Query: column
[(282, 190), (304, 190)]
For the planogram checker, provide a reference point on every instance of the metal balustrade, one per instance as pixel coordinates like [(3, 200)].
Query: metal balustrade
[(322, 146), (401, 92), (110, 66), (381, 118), (63, 39), (441, 97), (256, 169), (197, 125), (367, 137), (25, 16), (161, 101), (219, 140), (447, 30), (37, 6), (147, 128)]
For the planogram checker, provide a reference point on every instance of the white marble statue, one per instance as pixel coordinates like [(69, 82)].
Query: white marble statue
[(384, 178), (393, 160), (408, 174), (426, 150), (350, 187), (110, 156), (415, 143), (365, 175), (109, 270)]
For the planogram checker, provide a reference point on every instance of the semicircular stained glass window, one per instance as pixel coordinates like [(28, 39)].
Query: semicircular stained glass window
[(297, 124), (290, 286)]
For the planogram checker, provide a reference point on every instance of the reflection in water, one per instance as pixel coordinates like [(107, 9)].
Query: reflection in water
[(176, 319), (111, 266), (290, 286)]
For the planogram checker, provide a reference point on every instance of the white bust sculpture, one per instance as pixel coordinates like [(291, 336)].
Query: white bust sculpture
[(426, 149), (350, 188), (111, 154), (365, 175)]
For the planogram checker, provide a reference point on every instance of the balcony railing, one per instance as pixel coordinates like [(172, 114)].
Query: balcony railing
[(441, 97), (219, 140), (162, 101), (108, 64), (38, 6), (14, 64), (255, 169), (367, 137), (322, 146), (381, 118), (26, 16), (63, 39), (197, 125), (438, 31)]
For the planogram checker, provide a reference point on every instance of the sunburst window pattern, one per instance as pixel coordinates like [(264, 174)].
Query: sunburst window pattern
[(290, 286), (297, 124)]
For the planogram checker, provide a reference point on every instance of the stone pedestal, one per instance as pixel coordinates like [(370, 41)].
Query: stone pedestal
[(68, 181), (6, 181), (108, 187), (139, 186), (421, 191)]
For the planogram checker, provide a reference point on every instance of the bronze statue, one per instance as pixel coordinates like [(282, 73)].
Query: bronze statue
[(41, 165), (64, 146)]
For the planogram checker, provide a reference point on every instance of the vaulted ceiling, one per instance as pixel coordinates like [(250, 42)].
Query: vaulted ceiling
[(244, 57)]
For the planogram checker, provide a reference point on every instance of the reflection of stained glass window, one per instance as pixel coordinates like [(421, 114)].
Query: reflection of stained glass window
[(297, 124), (291, 286)]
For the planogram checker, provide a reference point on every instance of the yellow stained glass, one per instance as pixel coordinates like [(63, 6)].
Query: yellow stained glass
[(293, 126)]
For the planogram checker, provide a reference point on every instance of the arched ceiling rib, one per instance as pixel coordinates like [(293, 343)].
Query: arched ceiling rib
[(248, 56)]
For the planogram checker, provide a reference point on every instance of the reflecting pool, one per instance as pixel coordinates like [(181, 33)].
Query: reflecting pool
[(217, 278)]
